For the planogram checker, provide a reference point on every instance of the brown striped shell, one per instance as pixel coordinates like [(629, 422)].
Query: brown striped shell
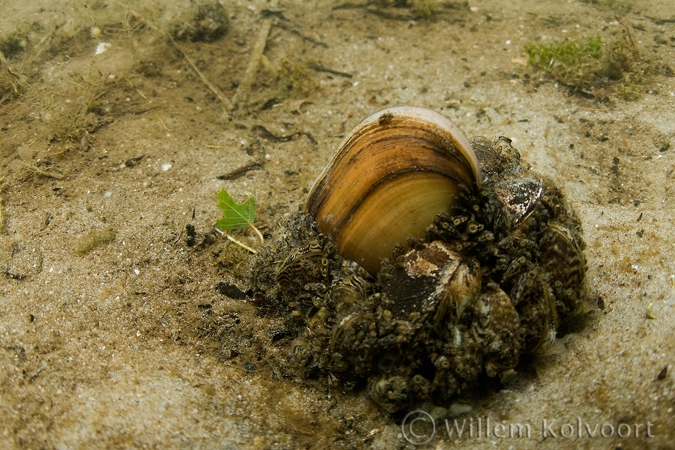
[(391, 176)]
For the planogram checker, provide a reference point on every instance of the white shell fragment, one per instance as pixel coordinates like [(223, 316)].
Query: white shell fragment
[(102, 47)]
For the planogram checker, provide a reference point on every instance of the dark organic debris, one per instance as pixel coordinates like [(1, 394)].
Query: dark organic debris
[(295, 31), (269, 104), (131, 162), (12, 275), (265, 133), (276, 334), (191, 235), (231, 290), (663, 373), (208, 25), (236, 173), (277, 12), (13, 45), (659, 21), (320, 68)]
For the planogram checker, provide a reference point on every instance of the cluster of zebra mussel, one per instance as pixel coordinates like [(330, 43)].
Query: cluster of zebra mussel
[(422, 262)]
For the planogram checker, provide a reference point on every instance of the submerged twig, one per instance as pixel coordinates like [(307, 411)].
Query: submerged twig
[(236, 173), (256, 56), (34, 169), (297, 32), (320, 68), (265, 133), (224, 100), (2, 217), (20, 79), (630, 37)]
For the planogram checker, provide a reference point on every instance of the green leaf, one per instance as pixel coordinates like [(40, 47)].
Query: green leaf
[(235, 215)]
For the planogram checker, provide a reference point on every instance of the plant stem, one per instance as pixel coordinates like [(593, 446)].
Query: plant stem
[(262, 239), (241, 244)]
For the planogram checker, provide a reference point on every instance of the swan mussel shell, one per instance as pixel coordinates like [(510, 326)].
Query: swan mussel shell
[(389, 179)]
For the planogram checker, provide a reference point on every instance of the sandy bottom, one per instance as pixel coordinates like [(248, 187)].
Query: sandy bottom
[(111, 325)]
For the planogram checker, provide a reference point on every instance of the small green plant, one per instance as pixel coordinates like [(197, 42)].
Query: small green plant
[(237, 216), (570, 62), (424, 8), (590, 63), (95, 239), (569, 53), (621, 6), (295, 77)]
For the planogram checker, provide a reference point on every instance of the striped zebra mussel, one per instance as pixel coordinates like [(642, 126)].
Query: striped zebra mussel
[(421, 261)]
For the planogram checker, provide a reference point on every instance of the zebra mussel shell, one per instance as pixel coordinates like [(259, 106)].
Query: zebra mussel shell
[(391, 176), (422, 262)]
